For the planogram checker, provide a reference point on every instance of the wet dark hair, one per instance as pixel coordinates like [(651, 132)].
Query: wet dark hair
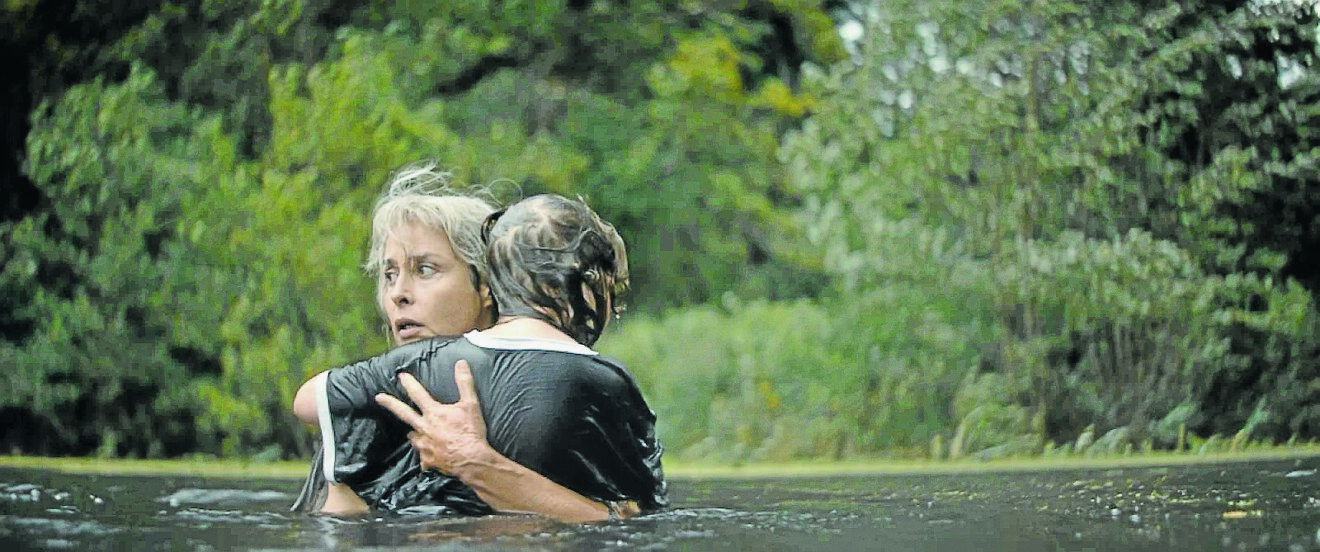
[(553, 259)]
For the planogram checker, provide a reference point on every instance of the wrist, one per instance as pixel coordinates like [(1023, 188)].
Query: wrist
[(470, 468)]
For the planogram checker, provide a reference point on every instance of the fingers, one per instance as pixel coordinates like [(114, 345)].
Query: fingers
[(467, 390), (419, 443), (400, 409), (417, 392)]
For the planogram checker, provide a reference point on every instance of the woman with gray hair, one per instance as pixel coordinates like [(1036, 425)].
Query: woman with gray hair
[(555, 409)]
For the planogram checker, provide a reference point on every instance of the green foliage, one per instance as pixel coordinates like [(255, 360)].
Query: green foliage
[(783, 380), (758, 382), (207, 214), (1016, 168), (96, 264)]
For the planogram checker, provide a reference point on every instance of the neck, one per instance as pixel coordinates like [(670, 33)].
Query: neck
[(522, 326)]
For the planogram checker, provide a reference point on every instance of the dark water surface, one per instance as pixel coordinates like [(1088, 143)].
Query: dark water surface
[(1272, 505)]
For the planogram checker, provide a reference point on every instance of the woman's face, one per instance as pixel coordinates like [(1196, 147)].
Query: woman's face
[(426, 290)]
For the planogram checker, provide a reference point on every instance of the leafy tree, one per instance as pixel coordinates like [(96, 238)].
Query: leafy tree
[(207, 189), (101, 370), (1001, 154), (1228, 114)]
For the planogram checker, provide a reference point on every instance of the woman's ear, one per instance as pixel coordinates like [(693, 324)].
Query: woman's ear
[(487, 300), (489, 308)]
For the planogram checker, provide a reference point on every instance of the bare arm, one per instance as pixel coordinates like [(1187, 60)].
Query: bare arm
[(452, 438), (340, 499), (304, 402)]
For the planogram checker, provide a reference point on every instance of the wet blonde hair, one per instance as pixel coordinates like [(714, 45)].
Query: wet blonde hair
[(423, 194), (545, 252)]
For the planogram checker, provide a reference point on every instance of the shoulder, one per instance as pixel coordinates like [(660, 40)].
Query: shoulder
[(561, 369), (418, 351), (431, 345), (601, 374)]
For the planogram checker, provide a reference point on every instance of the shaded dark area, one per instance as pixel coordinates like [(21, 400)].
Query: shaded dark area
[(53, 45), (474, 74), (20, 195), (1290, 392), (1235, 106), (197, 361), (59, 45), (26, 433), (129, 426), (1252, 109), (779, 47)]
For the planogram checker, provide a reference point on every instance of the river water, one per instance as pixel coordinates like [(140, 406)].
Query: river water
[(1260, 505)]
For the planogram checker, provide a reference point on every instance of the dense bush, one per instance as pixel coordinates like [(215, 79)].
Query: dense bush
[(201, 193), (1041, 170)]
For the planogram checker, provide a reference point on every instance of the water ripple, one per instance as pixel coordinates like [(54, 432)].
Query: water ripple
[(221, 496)]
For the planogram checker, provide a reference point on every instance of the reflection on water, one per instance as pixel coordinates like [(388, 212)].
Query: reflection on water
[(1240, 506)]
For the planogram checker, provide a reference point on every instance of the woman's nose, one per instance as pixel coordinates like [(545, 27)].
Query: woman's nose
[(400, 291)]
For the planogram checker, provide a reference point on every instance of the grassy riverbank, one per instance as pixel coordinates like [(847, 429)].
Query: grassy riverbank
[(206, 467)]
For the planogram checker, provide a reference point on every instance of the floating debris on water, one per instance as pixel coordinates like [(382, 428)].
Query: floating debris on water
[(1243, 514)]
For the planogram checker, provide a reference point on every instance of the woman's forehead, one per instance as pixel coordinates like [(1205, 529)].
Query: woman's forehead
[(415, 239)]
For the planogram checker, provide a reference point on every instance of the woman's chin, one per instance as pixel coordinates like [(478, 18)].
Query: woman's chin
[(410, 337), (414, 333)]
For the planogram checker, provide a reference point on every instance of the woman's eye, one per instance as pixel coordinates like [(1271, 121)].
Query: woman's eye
[(389, 275), (426, 270)]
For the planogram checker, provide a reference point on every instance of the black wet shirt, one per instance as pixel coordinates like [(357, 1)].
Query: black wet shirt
[(559, 409)]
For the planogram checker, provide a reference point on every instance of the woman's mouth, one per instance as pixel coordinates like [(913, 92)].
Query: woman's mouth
[(408, 329)]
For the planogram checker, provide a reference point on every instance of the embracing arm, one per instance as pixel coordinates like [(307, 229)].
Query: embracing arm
[(510, 487), (339, 499), (304, 403), (452, 439)]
